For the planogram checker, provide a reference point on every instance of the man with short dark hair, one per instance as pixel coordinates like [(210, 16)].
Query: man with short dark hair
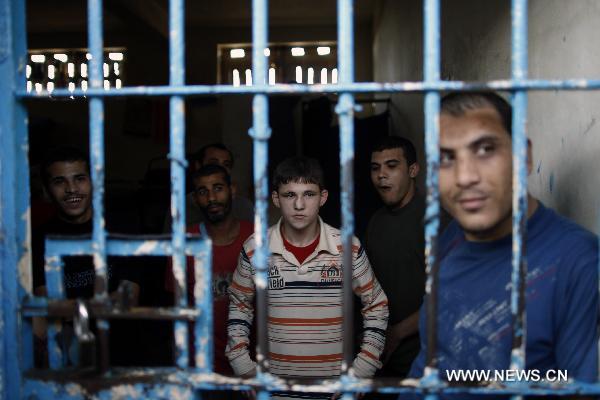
[(474, 319), (213, 194), (213, 154), (305, 288), (395, 246), (67, 183)]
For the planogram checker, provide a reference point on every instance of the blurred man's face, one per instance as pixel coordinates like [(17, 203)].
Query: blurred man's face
[(70, 189), (299, 204), (392, 177), (217, 156), (213, 196), (476, 173)]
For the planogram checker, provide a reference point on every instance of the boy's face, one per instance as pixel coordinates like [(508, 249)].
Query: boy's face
[(299, 204), (70, 189)]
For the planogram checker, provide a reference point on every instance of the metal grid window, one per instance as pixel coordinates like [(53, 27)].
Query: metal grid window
[(310, 63), (14, 223), (49, 69)]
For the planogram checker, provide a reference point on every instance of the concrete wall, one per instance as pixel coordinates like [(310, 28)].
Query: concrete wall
[(476, 46)]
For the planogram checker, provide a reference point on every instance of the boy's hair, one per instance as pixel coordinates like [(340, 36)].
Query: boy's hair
[(298, 169), (64, 153), (200, 154), (211, 169), (458, 103), (397, 142)]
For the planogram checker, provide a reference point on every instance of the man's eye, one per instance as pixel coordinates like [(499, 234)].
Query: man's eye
[(310, 194), (288, 195), (201, 192), (484, 149), (374, 167), (446, 159)]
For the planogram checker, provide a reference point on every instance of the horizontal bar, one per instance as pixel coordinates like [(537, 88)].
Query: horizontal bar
[(65, 246), (143, 380), (42, 307), (356, 87)]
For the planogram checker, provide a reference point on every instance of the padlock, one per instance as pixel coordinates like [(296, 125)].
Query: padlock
[(86, 342)]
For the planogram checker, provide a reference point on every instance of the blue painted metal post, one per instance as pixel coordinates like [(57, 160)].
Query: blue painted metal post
[(53, 266), (96, 111), (178, 165), (519, 143), (15, 278), (261, 133), (203, 327), (432, 214), (345, 110)]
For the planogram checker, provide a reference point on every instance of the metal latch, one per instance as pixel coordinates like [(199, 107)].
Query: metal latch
[(86, 342)]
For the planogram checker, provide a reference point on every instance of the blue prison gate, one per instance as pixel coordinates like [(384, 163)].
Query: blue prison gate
[(18, 380)]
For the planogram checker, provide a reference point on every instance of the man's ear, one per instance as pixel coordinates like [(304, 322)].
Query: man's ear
[(529, 157), (413, 170), (233, 189), (324, 195), (275, 198)]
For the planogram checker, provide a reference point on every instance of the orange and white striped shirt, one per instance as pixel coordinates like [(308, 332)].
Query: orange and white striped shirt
[(305, 309)]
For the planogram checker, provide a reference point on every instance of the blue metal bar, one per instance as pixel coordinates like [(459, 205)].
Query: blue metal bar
[(355, 87), (345, 110), (53, 266), (153, 381), (203, 327), (96, 111), (519, 222), (432, 214), (260, 133), (178, 165), (15, 277), (96, 108), (122, 247)]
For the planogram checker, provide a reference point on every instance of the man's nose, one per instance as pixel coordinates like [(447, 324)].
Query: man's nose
[(467, 172), (72, 186), (299, 203)]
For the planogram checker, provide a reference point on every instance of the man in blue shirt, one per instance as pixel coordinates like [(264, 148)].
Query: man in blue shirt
[(474, 320)]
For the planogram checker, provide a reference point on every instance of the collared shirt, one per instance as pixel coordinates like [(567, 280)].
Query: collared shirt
[(305, 309)]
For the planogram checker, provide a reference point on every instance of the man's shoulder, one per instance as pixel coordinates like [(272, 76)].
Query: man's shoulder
[(565, 235), (250, 243)]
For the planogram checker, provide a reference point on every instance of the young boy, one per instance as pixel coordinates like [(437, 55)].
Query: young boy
[(305, 287)]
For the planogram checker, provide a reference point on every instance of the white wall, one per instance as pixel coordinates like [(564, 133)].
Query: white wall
[(563, 126)]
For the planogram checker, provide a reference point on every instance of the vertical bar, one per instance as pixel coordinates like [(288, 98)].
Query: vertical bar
[(345, 110), (178, 164), (53, 266), (96, 111), (519, 143), (260, 133), (15, 278), (97, 146), (203, 327), (431, 62)]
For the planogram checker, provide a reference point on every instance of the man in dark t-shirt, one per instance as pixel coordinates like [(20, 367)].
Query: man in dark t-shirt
[(395, 246), (66, 179)]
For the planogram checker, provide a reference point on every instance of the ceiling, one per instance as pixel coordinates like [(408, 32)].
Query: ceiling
[(66, 16)]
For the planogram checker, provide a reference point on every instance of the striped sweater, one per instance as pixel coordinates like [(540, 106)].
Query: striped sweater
[(305, 309)]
